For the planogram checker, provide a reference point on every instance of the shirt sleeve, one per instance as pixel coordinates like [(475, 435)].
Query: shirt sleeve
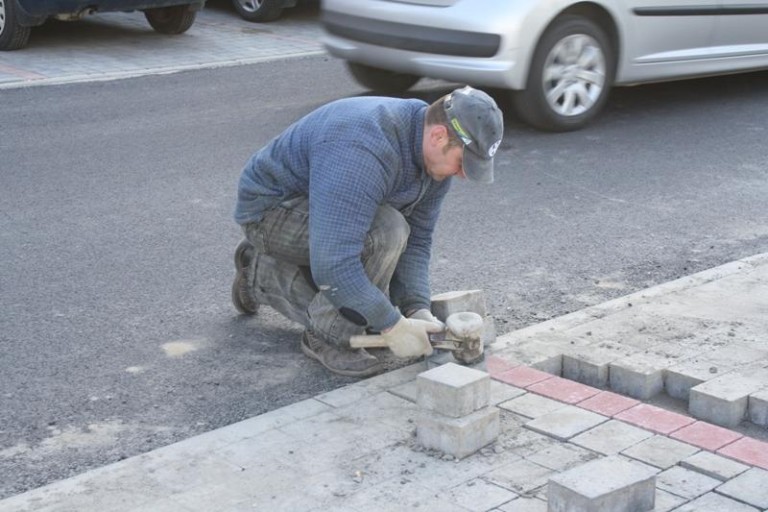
[(410, 288), (347, 185)]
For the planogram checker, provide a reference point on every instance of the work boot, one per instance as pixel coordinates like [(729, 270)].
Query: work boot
[(347, 362), (241, 295)]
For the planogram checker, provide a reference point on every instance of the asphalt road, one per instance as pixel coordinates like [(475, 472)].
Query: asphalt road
[(116, 331)]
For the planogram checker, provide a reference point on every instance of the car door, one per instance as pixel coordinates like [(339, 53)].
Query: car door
[(741, 34), (665, 38)]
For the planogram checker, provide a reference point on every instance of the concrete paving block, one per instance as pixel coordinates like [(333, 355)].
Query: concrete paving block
[(524, 504), (724, 400), (747, 450), (621, 486), (453, 390), (532, 405), (641, 375), (489, 330), (681, 377), (712, 502), (458, 436), (563, 390), (758, 408), (562, 456), (607, 403), (713, 465), (590, 365), (565, 423), (685, 483), (448, 303), (478, 495), (705, 435), (665, 501), (407, 391), (660, 451), (750, 487), (521, 477), (501, 392), (611, 437)]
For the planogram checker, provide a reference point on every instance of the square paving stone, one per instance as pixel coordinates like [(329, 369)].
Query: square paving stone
[(501, 392), (521, 476), (563, 390), (684, 482), (714, 465), (522, 376), (666, 501), (712, 502), (705, 435), (531, 405), (525, 504), (661, 452), (562, 456), (747, 450), (654, 418), (607, 403), (478, 495), (565, 423), (750, 487), (611, 437)]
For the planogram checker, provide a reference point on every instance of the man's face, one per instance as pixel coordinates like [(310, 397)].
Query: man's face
[(441, 160)]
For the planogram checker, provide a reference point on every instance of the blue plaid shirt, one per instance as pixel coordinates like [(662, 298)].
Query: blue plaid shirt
[(349, 157)]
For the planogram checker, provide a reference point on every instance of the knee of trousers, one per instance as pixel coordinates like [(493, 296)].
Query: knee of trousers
[(389, 232)]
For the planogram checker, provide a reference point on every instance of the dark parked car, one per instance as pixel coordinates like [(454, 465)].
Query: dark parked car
[(262, 10), (17, 17)]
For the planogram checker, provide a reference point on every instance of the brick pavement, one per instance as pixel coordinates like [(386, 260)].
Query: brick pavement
[(122, 45), (354, 449)]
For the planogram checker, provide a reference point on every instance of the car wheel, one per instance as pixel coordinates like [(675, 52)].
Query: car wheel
[(569, 78), (259, 10), (171, 20), (381, 80), (12, 35)]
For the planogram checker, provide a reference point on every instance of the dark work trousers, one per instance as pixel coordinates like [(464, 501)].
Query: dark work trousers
[(279, 274)]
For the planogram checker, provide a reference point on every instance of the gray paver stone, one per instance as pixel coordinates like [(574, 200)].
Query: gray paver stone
[(666, 501), (684, 482), (590, 365), (445, 304), (524, 504), (713, 465), (712, 502), (750, 487), (724, 400), (680, 378), (611, 437), (641, 375), (453, 390), (565, 423), (660, 451), (458, 436), (758, 408), (478, 495), (501, 392), (532, 405), (521, 476), (621, 486)]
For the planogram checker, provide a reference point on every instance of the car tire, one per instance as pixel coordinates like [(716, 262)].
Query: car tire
[(258, 11), (171, 20), (569, 78), (12, 35), (381, 80)]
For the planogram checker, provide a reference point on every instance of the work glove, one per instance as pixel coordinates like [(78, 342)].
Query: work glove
[(425, 314), (409, 337)]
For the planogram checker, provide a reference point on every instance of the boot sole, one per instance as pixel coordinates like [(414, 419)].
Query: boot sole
[(347, 373), (236, 301)]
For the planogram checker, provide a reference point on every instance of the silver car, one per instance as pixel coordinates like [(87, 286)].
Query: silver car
[(559, 58)]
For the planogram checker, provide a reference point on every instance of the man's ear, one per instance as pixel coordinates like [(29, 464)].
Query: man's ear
[(438, 134)]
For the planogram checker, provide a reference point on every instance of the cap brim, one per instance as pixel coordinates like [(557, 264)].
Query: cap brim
[(476, 168)]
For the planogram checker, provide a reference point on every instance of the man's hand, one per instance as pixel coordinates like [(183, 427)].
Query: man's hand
[(409, 337), (426, 315)]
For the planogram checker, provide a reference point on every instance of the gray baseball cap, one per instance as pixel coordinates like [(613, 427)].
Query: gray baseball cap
[(477, 121)]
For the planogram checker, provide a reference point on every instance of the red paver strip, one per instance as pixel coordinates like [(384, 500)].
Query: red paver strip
[(654, 418), (497, 365), (608, 404), (523, 376), (564, 390), (747, 450), (705, 435)]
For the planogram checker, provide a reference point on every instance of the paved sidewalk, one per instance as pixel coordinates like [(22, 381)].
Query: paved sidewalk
[(354, 449), (110, 46)]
